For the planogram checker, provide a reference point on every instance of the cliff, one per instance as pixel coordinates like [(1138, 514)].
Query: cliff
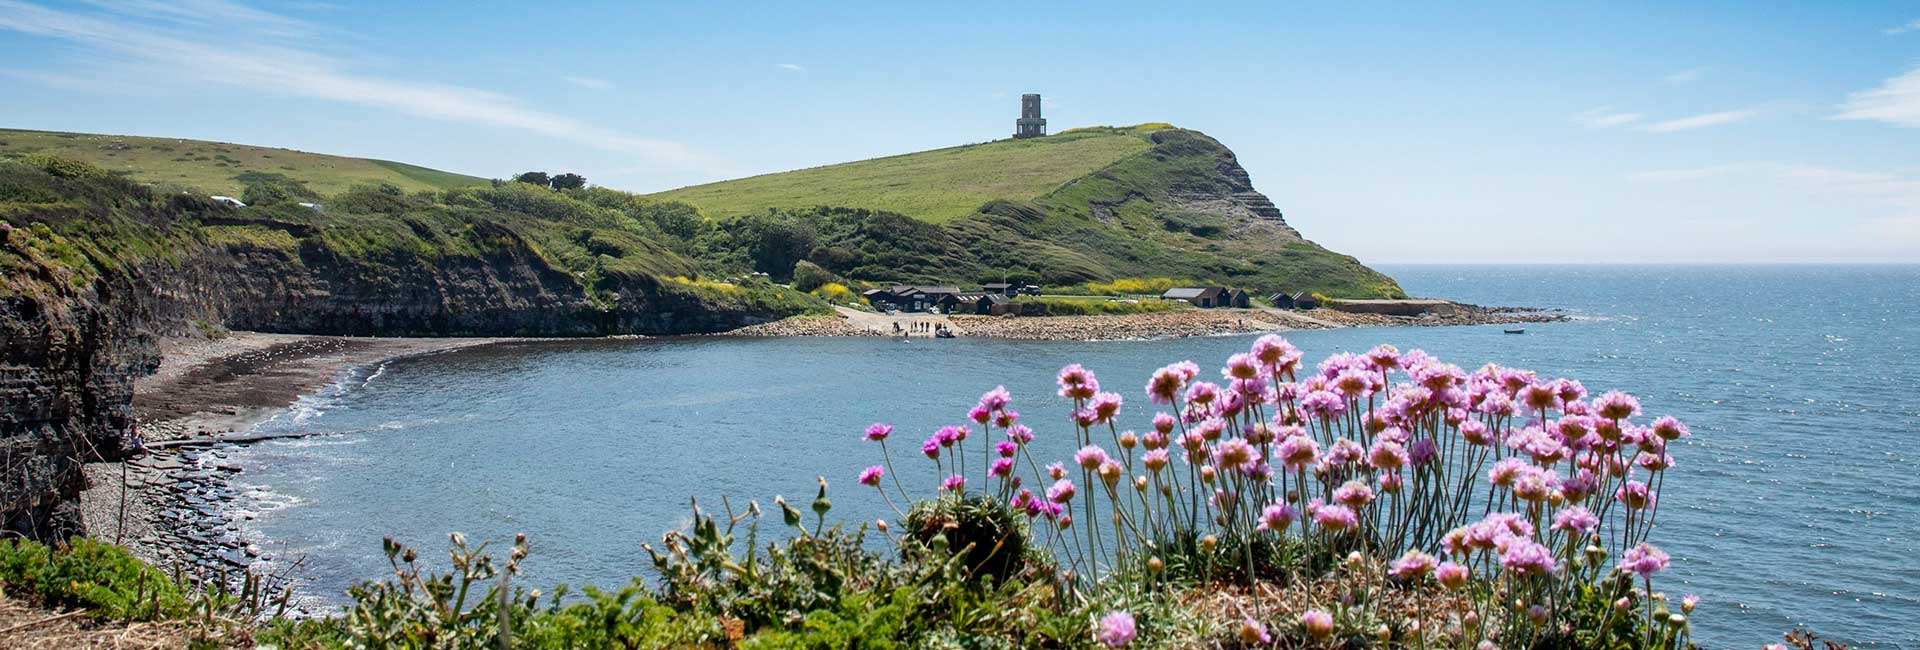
[(96, 268)]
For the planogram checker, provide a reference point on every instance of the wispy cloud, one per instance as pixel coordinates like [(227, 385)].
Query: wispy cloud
[(1895, 101), (1605, 117), (1701, 121), (144, 40), (589, 83), (1689, 173), (791, 66), (1686, 76), (1909, 27)]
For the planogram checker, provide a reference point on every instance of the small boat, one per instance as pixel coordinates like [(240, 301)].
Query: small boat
[(943, 333), (1516, 330)]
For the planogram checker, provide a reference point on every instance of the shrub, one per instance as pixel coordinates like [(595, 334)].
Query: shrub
[(989, 537), (808, 276)]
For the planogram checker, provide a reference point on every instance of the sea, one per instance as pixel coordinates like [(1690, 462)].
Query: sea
[(1796, 501)]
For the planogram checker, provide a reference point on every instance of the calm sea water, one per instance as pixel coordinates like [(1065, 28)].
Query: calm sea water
[(1796, 502)]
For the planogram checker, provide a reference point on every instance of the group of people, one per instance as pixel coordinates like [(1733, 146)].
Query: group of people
[(919, 327)]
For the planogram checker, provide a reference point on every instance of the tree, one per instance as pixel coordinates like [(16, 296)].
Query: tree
[(535, 178), (569, 181), (775, 242), (808, 276)]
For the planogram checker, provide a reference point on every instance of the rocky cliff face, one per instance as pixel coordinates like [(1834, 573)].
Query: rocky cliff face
[(79, 321), (69, 353)]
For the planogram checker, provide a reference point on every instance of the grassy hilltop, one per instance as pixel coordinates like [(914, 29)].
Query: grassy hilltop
[(214, 166), (937, 186)]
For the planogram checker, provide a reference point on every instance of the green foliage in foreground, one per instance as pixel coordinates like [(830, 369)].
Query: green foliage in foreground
[(965, 572)]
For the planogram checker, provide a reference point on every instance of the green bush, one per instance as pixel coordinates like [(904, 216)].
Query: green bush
[(89, 574), (808, 276)]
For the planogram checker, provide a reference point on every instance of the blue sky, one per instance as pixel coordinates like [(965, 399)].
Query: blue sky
[(1710, 132)]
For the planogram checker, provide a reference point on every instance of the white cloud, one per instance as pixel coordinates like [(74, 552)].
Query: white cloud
[(589, 83), (1896, 101), (241, 53), (791, 66), (1700, 121), (1686, 76), (1909, 27), (1605, 117)]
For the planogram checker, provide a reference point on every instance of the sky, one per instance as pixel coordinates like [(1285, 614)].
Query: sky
[(1503, 132)]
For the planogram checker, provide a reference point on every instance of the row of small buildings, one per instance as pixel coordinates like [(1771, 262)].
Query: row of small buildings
[(992, 299), (1213, 297)]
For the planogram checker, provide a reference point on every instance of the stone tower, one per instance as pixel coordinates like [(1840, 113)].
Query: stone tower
[(1030, 124)]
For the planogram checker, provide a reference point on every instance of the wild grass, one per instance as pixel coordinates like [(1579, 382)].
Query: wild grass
[(211, 167), (935, 186)]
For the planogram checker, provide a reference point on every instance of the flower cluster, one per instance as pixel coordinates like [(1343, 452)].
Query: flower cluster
[(1496, 481)]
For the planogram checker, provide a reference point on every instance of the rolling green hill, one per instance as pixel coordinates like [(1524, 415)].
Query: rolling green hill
[(937, 186), (1090, 204), (213, 167)]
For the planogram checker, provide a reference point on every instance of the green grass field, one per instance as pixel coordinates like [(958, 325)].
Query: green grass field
[(936, 186), (211, 166)]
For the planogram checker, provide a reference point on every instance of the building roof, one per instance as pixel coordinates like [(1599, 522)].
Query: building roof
[(995, 285), (1184, 293), (934, 290)]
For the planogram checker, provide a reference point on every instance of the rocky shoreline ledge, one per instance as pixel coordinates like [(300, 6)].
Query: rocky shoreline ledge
[(1160, 325), (173, 505)]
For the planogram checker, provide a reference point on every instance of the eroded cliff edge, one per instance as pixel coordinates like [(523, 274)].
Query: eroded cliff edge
[(96, 269)]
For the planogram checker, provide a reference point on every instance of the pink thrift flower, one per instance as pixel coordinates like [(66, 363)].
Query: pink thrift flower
[(1090, 457), (1163, 423), (1253, 633), (1353, 494), (1056, 471), (1386, 455), (1002, 467), (954, 483), (1297, 452), (1005, 448), (879, 431), (1668, 428), (1336, 518), (1615, 405), (1390, 482), (1644, 560), (1235, 455), (1577, 521), (1635, 495), (996, 399), (1115, 630), (1412, 565), (980, 414), (1020, 433), (1276, 517), (1105, 406), (1452, 576), (1526, 557), (1061, 492), (1155, 460), (1318, 624), (1241, 366), (871, 476), (1077, 382), (931, 447)]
